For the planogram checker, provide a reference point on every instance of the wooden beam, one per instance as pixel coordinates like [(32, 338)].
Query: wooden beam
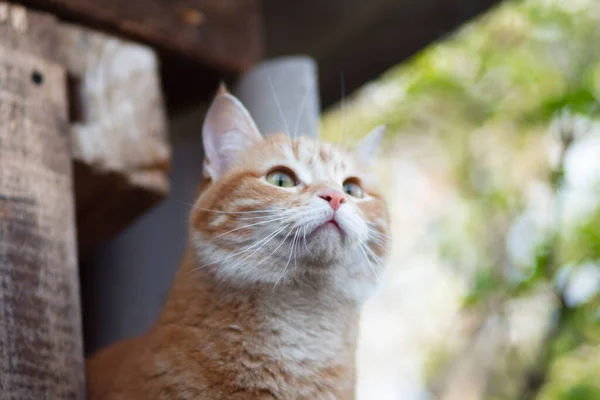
[(118, 131), (359, 39), (41, 355), (225, 34)]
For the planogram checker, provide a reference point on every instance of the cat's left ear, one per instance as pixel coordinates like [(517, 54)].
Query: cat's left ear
[(228, 131), (368, 148)]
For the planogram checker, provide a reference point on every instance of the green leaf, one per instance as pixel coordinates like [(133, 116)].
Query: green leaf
[(484, 283), (581, 391), (579, 100)]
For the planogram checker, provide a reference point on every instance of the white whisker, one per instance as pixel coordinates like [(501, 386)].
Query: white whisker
[(382, 239), (278, 105), (255, 251), (273, 252), (267, 238), (288, 212), (289, 258), (295, 254), (305, 246), (255, 217), (368, 260), (378, 233), (250, 225), (343, 100), (300, 114), (234, 212), (373, 254), (377, 241)]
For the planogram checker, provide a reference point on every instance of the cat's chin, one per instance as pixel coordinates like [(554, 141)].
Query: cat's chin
[(329, 227), (328, 234), (330, 244), (325, 247)]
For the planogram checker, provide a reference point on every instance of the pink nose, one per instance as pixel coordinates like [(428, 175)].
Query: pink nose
[(333, 197)]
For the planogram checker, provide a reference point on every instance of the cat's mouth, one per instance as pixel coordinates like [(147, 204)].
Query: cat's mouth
[(331, 225)]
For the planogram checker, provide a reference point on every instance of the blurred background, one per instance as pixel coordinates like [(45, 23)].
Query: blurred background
[(492, 172)]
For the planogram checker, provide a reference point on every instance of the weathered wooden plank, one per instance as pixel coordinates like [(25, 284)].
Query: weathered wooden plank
[(118, 124), (41, 354), (224, 33), (118, 131)]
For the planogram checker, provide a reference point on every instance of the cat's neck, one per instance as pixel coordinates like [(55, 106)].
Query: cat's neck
[(310, 316), (291, 341)]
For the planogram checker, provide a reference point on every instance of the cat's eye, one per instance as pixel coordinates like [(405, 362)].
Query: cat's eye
[(282, 178), (352, 187)]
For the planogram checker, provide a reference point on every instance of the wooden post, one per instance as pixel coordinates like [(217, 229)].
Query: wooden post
[(41, 353)]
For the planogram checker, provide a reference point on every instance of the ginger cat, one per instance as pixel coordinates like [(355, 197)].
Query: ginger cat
[(287, 237)]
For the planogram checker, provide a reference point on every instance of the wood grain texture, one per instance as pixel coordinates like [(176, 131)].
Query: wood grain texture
[(41, 354), (118, 131), (221, 33)]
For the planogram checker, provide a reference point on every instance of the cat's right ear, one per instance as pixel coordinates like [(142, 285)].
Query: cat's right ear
[(228, 131), (368, 148)]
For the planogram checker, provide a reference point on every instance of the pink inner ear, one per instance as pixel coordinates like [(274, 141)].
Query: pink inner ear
[(228, 131)]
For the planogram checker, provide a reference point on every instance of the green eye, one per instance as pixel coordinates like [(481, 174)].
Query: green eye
[(352, 187), (281, 178)]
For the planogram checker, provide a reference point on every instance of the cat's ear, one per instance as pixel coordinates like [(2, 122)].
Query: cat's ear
[(228, 131), (368, 148)]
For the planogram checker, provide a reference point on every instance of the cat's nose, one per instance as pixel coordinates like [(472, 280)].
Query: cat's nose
[(333, 197)]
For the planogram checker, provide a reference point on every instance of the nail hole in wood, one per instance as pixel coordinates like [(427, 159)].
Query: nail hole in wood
[(37, 78)]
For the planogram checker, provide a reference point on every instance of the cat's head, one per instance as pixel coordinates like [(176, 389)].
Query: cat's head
[(277, 209)]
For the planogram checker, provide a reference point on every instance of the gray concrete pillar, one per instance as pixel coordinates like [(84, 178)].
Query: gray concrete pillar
[(282, 95)]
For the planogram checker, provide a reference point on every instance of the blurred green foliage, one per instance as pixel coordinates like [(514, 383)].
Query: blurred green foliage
[(497, 97)]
